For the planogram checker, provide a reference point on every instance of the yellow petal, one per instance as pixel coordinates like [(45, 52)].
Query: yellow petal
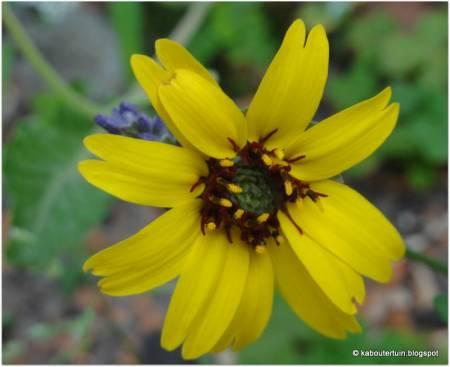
[(292, 87), (361, 218), (153, 158), (204, 114), (306, 298), (211, 323), (321, 265), (174, 56), (150, 75), (195, 286), (151, 257), (143, 172), (351, 228), (344, 139), (256, 305), (137, 187)]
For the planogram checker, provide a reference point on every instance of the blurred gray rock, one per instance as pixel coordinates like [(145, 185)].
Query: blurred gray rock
[(78, 42)]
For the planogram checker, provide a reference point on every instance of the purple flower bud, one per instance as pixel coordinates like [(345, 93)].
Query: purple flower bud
[(127, 120)]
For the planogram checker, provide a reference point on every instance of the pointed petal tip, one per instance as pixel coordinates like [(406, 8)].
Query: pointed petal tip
[(82, 167), (87, 265), (91, 141), (297, 24), (135, 58), (161, 42)]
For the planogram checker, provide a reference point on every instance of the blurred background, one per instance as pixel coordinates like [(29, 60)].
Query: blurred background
[(52, 219)]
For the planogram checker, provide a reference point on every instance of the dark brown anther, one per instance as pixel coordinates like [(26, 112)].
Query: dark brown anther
[(267, 137), (195, 185), (233, 144), (314, 195), (295, 159), (285, 211), (228, 232)]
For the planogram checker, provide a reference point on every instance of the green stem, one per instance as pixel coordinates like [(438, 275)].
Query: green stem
[(190, 22), (43, 68), (432, 263), (183, 32)]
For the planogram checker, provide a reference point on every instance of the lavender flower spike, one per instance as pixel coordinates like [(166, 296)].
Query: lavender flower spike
[(127, 120)]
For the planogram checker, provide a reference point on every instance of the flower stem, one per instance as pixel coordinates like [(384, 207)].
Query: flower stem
[(190, 22), (182, 33), (432, 263), (43, 68)]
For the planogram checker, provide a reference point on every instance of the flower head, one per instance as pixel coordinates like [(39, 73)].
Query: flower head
[(253, 201)]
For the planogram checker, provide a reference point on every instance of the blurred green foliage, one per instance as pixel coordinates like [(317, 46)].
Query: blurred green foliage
[(414, 63), (77, 329), (441, 306), (127, 19), (287, 340), (52, 207), (247, 42), (7, 62)]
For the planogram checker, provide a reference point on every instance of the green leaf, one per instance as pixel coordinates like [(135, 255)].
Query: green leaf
[(127, 19), (441, 306), (368, 33), (400, 55), (346, 89), (420, 176), (52, 206), (205, 44), (432, 28), (330, 14), (242, 29)]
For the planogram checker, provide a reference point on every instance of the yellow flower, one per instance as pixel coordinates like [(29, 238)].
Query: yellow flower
[(253, 201)]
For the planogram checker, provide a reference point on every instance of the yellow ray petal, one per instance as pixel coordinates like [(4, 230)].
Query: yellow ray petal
[(150, 75), (139, 187), (204, 114), (151, 257), (152, 158), (256, 305), (292, 87), (195, 286), (212, 322), (322, 267), (174, 56), (143, 172), (344, 139), (361, 238), (305, 297), (360, 220)]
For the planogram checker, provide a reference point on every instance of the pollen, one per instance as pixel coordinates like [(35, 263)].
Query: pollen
[(211, 226), (225, 203), (260, 249), (235, 189), (238, 214), (288, 187), (266, 160), (263, 218), (226, 163), (279, 153)]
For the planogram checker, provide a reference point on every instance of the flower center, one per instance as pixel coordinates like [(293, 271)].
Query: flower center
[(259, 193), (248, 191)]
